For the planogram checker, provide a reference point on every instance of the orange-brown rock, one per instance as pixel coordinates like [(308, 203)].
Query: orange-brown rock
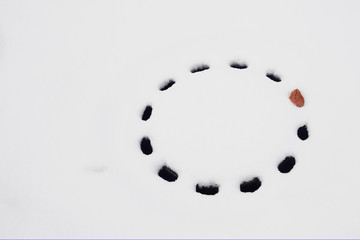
[(296, 98)]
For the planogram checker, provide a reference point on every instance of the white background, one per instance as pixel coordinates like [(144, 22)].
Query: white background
[(76, 75)]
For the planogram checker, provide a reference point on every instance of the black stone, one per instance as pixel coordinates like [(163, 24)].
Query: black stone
[(147, 113), (207, 190), (287, 164), (238, 65), (199, 68), (145, 146), (273, 77), (250, 186), (303, 133), (168, 174), (167, 85)]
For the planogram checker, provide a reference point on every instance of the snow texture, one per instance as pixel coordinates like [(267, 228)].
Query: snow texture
[(76, 76)]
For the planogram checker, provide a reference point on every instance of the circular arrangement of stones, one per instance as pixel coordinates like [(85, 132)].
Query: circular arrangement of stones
[(249, 185)]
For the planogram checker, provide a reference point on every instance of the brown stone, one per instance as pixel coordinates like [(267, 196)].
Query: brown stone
[(296, 98)]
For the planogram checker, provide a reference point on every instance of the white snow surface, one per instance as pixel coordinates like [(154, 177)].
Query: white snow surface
[(75, 77)]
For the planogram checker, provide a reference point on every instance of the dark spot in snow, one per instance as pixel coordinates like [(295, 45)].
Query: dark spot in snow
[(238, 65), (287, 164), (273, 77), (199, 68), (167, 85), (250, 186), (207, 190), (303, 133), (145, 146), (168, 174), (147, 113)]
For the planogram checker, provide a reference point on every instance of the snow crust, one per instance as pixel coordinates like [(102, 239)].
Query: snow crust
[(75, 77)]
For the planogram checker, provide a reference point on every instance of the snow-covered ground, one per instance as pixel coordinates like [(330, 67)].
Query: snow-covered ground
[(75, 77)]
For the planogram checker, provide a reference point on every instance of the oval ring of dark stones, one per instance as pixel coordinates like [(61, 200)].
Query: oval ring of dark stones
[(246, 186)]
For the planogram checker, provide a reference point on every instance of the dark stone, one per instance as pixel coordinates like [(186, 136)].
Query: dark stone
[(168, 174), (199, 68), (250, 186), (145, 146), (287, 164), (303, 133), (147, 113), (207, 190), (167, 85), (238, 65), (273, 77)]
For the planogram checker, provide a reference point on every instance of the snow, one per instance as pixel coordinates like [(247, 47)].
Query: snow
[(75, 77)]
